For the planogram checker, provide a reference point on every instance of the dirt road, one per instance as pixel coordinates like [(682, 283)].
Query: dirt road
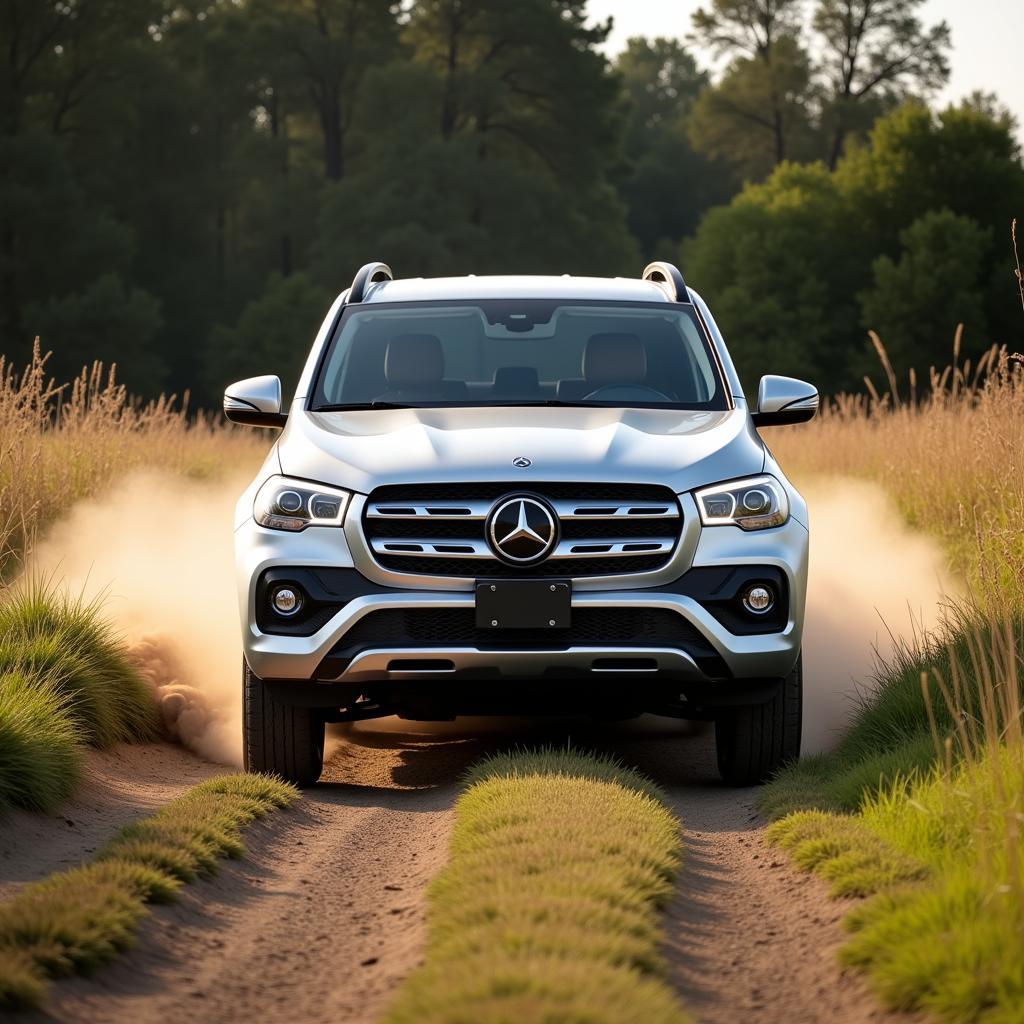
[(325, 916)]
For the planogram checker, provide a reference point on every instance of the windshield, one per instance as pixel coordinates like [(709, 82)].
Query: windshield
[(518, 352)]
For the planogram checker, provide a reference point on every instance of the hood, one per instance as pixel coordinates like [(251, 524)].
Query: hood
[(363, 449)]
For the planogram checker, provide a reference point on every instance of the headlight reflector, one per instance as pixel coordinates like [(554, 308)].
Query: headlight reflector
[(757, 503), (285, 504)]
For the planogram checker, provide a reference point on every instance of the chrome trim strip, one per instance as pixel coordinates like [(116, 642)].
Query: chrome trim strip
[(374, 664)]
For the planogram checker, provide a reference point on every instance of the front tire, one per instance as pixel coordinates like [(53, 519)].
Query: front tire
[(279, 738), (755, 740)]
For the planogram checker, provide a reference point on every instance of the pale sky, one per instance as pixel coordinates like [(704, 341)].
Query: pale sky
[(988, 39)]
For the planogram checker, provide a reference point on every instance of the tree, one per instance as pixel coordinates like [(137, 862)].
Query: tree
[(756, 114), (53, 239), (896, 239), (961, 159), (330, 44), (272, 335), (665, 183), (107, 321), (777, 263), (502, 130), (918, 299), (876, 53)]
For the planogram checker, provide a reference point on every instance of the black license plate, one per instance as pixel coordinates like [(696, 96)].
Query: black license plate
[(523, 604)]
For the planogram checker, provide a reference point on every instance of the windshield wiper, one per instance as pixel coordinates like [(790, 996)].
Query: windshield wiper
[(359, 406), (546, 401), (493, 403)]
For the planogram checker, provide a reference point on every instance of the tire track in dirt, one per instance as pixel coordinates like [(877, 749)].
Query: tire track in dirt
[(325, 916), (118, 785), (750, 938), (319, 922)]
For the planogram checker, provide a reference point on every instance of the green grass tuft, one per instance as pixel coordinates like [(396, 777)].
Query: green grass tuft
[(549, 907), (75, 921), (40, 759), (845, 852), (64, 681), (566, 761), (66, 641), (22, 983)]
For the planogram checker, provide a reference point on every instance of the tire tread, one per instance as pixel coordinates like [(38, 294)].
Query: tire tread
[(278, 738), (754, 741)]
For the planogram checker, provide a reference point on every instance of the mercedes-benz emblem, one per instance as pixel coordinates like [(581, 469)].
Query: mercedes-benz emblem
[(522, 462), (521, 529)]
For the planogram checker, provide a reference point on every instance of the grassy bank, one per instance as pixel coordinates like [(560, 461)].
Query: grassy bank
[(65, 682), (74, 921), (920, 806), (941, 857), (549, 907), (62, 442)]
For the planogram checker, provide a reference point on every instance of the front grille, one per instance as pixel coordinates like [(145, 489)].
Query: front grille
[(603, 529)]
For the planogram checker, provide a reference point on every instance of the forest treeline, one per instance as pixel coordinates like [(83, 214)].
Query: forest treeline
[(185, 185)]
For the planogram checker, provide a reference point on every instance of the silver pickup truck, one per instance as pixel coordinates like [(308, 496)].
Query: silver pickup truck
[(520, 495)]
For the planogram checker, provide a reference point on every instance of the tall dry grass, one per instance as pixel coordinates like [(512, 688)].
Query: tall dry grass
[(60, 443), (951, 454)]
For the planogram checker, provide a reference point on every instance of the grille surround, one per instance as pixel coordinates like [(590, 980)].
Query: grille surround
[(415, 530)]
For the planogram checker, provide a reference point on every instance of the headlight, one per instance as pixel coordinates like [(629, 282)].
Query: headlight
[(754, 504), (285, 504)]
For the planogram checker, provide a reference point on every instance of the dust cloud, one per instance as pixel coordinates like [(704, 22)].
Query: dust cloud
[(871, 578), (160, 549)]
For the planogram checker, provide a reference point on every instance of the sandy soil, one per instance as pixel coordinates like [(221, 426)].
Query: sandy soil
[(118, 786), (325, 916)]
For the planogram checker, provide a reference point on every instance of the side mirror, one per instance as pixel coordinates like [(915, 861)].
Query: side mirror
[(782, 400), (255, 402)]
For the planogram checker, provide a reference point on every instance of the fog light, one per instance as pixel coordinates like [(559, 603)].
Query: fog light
[(286, 601), (758, 600)]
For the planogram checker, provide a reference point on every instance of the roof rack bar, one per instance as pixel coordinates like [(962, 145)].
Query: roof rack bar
[(667, 275), (366, 275)]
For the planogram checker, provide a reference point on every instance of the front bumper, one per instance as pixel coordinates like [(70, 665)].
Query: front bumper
[(284, 657)]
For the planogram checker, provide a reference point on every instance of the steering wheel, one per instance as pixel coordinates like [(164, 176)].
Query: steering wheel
[(626, 393)]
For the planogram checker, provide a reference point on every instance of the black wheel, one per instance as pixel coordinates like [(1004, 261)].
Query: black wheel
[(278, 738), (755, 740)]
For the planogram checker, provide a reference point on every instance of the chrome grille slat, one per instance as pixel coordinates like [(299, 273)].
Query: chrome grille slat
[(612, 548), (606, 529), (398, 510), (453, 547), (607, 510)]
